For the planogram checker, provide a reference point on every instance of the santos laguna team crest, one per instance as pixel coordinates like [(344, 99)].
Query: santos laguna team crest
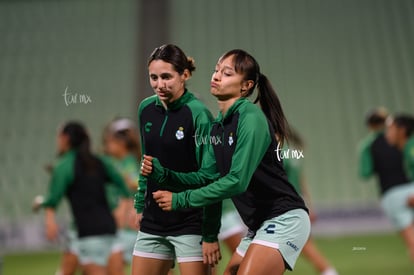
[(180, 133)]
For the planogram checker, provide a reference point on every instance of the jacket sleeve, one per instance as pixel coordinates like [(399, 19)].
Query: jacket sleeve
[(409, 158), (365, 165), (183, 181), (212, 222), (253, 141), (139, 197), (62, 176), (205, 158)]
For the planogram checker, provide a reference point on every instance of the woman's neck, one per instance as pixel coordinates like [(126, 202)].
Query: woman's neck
[(224, 105), (171, 100)]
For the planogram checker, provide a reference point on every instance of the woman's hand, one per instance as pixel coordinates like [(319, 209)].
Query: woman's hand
[(211, 253), (37, 203), (163, 199), (146, 166)]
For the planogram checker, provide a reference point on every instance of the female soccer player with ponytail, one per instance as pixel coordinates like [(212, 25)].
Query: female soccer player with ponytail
[(243, 148), (81, 177)]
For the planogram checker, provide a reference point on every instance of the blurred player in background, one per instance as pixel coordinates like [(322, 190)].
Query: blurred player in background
[(121, 136), (295, 173), (398, 201), (169, 122), (81, 177), (380, 158), (121, 144), (377, 157)]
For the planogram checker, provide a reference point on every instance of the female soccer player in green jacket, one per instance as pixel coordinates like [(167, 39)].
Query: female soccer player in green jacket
[(169, 121), (243, 150), (81, 177)]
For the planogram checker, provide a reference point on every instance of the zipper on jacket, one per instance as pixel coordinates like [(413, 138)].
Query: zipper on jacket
[(164, 123), (222, 133)]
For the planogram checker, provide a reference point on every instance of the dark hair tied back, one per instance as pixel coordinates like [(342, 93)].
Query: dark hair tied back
[(80, 142), (174, 55)]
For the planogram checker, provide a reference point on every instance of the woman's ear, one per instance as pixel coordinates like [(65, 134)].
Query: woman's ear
[(186, 75), (246, 86)]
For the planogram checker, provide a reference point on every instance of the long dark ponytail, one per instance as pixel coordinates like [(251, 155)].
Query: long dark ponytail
[(245, 64), (80, 142), (270, 103)]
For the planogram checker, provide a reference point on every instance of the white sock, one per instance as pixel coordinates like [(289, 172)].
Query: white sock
[(330, 271)]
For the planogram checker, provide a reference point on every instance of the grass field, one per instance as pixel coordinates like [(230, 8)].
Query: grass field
[(357, 255)]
